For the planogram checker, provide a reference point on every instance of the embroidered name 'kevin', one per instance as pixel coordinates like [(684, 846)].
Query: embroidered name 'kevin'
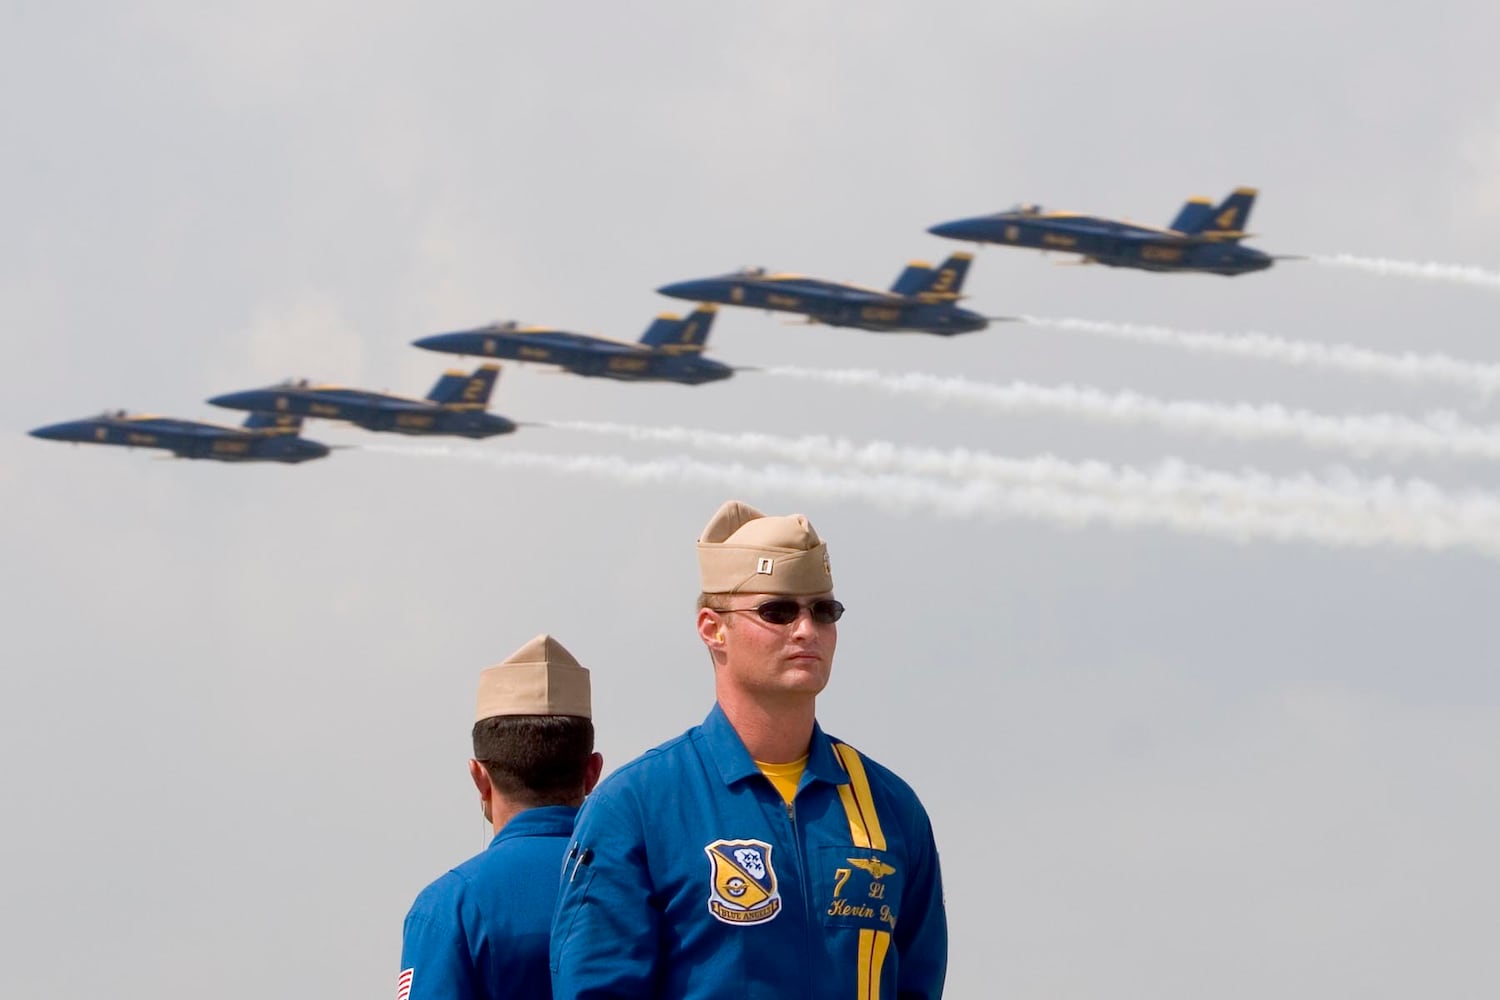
[(844, 908)]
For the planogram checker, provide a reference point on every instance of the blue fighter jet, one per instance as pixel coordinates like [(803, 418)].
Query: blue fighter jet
[(264, 437), (456, 405), (671, 350), (1203, 237), (922, 299)]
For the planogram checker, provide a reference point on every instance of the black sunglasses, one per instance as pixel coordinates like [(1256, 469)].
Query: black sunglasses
[(784, 610)]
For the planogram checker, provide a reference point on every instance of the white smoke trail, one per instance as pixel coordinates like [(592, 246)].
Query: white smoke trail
[(1171, 479), (1462, 274), (1440, 434), (1432, 522), (1405, 367)]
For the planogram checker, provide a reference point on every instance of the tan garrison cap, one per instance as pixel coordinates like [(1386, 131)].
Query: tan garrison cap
[(744, 551), (540, 678)]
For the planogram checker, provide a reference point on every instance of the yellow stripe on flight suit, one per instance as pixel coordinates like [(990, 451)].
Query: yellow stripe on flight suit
[(864, 827)]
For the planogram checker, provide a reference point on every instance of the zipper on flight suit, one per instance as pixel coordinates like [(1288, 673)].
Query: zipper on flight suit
[(807, 890), (791, 818)]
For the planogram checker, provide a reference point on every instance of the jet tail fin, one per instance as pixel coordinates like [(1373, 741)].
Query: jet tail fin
[(1195, 214), (916, 277), (675, 335), (465, 390), (1230, 217), (946, 282), (284, 423)]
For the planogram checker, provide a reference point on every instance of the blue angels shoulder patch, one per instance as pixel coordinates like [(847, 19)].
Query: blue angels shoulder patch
[(742, 883)]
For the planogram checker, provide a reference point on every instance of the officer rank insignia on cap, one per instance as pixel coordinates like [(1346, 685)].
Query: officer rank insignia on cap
[(742, 883)]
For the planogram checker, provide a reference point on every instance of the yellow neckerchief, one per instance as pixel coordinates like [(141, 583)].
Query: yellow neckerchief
[(786, 776)]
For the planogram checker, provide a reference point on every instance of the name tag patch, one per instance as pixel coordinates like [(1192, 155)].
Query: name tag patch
[(862, 888)]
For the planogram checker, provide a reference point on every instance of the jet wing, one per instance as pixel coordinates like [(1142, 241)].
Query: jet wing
[(580, 341), (398, 405), (1222, 236), (1217, 236)]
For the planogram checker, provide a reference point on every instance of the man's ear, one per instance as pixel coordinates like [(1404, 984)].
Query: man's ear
[(592, 771), (711, 628), (481, 779)]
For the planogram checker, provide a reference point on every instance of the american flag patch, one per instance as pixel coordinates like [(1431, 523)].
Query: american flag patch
[(403, 984)]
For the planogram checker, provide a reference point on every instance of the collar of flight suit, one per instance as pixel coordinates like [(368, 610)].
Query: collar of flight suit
[(542, 821), (735, 763)]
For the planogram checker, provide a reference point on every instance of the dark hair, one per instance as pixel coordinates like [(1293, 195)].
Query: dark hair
[(536, 760)]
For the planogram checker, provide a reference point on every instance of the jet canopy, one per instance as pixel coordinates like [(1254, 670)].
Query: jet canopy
[(1026, 208)]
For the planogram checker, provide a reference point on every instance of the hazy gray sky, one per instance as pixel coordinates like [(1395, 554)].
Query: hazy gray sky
[(235, 708)]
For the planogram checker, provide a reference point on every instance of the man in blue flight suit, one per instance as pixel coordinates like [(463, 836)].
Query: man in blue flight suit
[(481, 930), (754, 856)]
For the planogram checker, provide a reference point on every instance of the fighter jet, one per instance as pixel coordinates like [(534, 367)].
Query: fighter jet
[(1203, 237), (456, 405), (671, 350), (264, 437), (922, 299)]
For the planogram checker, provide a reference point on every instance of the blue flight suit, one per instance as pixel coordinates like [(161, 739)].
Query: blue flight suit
[(481, 930), (690, 876)]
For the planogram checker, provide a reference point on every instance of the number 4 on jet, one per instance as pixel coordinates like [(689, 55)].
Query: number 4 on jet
[(923, 299)]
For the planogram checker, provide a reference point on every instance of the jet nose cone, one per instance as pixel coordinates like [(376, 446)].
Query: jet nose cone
[(436, 341), (235, 400), (466, 342), (57, 432), (696, 289), (958, 229)]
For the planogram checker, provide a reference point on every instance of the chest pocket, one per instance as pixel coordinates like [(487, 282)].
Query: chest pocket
[(859, 887)]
